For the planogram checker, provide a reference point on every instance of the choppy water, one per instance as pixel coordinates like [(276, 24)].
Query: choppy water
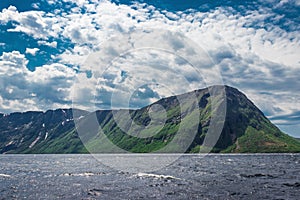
[(260, 176)]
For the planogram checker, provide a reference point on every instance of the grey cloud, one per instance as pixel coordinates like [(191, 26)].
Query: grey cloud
[(222, 53), (31, 21), (176, 43), (293, 118), (75, 33), (44, 87)]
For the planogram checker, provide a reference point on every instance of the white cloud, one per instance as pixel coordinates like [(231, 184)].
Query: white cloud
[(12, 63), (18, 105), (42, 89), (50, 44), (36, 5), (47, 73), (38, 24), (32, 51), (161, 71), (75, 57)]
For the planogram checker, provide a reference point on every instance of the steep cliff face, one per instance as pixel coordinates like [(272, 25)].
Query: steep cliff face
[(246, 129), (153, 128)]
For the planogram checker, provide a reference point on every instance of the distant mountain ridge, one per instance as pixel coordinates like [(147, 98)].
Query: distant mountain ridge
[(246, 129)]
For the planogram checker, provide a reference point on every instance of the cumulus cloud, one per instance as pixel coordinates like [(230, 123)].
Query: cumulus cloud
[(43, 88), (32, 51), (37, 24), (124, 80), (249, 57), (12, 63), (50, 44)]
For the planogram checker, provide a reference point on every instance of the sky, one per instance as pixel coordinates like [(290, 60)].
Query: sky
[(47, 48)]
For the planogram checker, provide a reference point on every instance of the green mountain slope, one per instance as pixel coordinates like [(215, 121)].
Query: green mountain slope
[(40, 132), (185, 123)]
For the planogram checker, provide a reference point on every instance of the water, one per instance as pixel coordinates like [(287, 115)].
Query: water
[(252, 176)]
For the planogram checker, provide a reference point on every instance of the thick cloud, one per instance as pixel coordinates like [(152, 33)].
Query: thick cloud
[(35, 23), (47, 87)]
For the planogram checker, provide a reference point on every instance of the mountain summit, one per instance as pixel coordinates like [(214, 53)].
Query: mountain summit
[(215, 119)]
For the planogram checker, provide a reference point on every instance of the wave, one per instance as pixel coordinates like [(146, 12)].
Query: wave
[(5, 175), (158, 176)]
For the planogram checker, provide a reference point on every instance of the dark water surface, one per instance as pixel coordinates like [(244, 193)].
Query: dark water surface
[(252, 176)]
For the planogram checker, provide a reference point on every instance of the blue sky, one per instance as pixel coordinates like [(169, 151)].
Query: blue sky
[(45, 45)]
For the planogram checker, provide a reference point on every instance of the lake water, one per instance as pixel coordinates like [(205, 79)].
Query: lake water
[(215, 176)]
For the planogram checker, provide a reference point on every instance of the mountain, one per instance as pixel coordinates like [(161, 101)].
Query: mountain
[(191, 122), (39, 132)]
